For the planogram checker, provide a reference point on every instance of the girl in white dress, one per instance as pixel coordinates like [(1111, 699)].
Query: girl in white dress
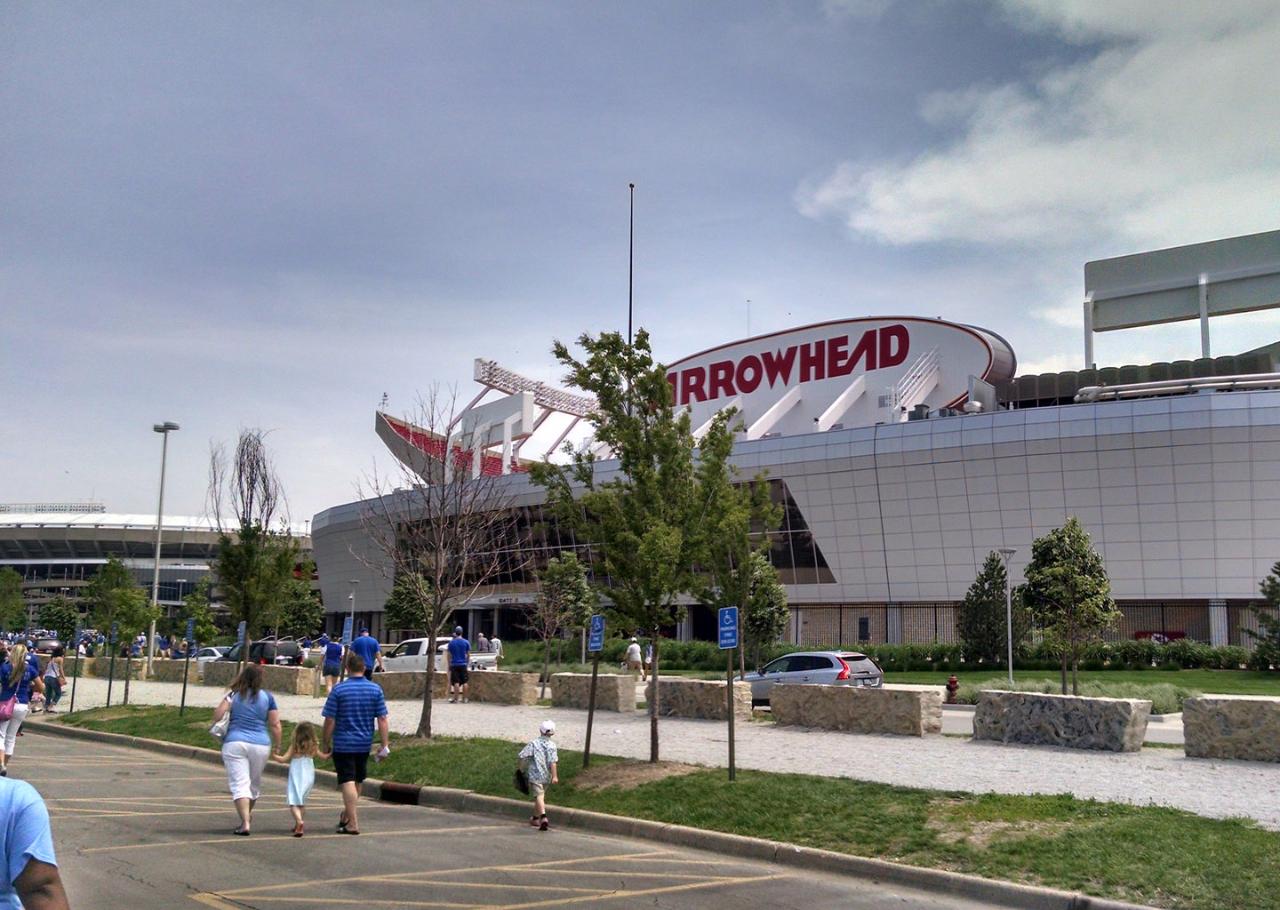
[(303, 749)]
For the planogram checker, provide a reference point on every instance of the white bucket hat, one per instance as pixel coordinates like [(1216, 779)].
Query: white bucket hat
[(547, 727)]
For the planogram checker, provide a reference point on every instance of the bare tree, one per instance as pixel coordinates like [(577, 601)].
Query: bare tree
[(442, 531), (244, 489)]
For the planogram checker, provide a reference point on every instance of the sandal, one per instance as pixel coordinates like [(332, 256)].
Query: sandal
[(297, 830), (240, 832), (345, 830)]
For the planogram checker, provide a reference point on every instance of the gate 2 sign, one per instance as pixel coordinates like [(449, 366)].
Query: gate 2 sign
[(854, 372)]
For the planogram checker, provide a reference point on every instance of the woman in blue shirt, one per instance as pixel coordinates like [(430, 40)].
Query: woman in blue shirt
[(253, 734), (18, 677), (332, 665)]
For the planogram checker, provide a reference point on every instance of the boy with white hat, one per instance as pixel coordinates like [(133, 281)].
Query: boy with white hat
[(540, 759)]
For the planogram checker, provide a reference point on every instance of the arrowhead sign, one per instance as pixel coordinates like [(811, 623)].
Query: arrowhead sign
[(595, 635), (728, 625)]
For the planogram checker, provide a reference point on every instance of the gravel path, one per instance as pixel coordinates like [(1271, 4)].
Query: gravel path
[(1218, 789)]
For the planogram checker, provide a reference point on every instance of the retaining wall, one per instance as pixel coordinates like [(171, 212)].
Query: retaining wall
[(411, 685), (101, 667), (501, 688), (171, 671), (614, 692), (700, 698), (292, 680), (1232, 726), (1109, 724), (902, 711)]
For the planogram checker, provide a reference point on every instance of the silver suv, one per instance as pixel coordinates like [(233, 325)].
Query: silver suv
[(831, 668)]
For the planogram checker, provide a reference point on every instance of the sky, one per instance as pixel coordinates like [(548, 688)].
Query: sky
[(234, 215)]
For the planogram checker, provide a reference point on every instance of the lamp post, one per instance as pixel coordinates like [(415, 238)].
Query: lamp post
[(1006, 553), (351, 600), (164, 429)]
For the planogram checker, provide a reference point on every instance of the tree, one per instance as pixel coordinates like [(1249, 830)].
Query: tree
[(564, 602), (765, 613), (439, 529), (257, 554), (116, 598), (1069, 594), (1268, 635), (13, 606), (649, 524), (301, 610), (196, 606), (981, 619), (60, 615), (403, 609)]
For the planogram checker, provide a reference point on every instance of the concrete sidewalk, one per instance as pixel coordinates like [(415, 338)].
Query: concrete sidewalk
[(1209, 787)]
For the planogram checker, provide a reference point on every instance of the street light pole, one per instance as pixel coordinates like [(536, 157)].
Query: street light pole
[(1006, 553), (164, 429), (351, 599)]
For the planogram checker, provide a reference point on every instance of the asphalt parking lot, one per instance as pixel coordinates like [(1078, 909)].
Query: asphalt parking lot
[(140, 830)]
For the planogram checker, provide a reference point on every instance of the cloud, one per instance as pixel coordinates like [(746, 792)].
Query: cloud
[(1161, 133)]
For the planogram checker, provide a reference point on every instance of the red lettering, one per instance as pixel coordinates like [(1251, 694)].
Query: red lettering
[(838, 364), (866, 350), (721, 379), (891, 355), (777, 366), (813, 361), (692, 385), (749, 363)]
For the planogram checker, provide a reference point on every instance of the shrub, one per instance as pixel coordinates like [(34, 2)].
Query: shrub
[(1166, 698)]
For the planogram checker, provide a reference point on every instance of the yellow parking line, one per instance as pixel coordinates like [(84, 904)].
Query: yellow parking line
[(70, 812), (233, 839), (315, 901), (616, 895), (117, 780)]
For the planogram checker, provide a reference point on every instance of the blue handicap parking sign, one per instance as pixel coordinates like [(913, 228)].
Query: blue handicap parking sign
[(595, 636), (240, 632), (346, 630), (728, 628), (191, 629)]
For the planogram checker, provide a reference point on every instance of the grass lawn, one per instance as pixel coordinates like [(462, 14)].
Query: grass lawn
[(1149, 855), (1225, 682)]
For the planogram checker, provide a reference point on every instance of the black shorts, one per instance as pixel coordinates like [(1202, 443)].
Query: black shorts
[(351, 766), (332, 670), (368, 673), (458, 676)]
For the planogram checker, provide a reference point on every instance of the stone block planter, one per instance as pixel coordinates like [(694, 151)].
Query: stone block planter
[(292, 680), (220, 672), (172, 670), (502, 688), (101, 667), (699, 698), (614, 692), (1109, 724), (1232, 726), (902, 711), (401, 685)]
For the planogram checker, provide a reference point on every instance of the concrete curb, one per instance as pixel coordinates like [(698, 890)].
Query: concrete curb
[(1008, 894)]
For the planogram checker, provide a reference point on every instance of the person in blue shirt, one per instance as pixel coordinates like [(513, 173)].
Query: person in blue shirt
[(350, 713), (31, 877), (459, 658), (332, 665), (369, 650), (252, 735), (18, 678)]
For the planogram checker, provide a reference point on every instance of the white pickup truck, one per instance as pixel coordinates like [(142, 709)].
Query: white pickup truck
[(411, 656)]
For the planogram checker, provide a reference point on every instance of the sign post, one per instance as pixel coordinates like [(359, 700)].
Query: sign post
[(728, 626), (346, 646), (111, 666), (186, 661), (75, 676), (595, 644)]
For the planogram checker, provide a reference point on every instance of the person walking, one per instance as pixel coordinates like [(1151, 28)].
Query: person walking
[(18, 680), (459, 657), (634, 660), (55, 678), (304, 749), (541, 761), (370, 652), (253, 734), (350, 713), (482, 644), (332, 665), (31, 878)]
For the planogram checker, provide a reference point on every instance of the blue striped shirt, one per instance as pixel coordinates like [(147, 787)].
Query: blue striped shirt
[(354, 705)]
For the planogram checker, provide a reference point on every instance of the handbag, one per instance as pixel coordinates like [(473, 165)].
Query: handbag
[(6, 708), (219, 730), (521, 780)]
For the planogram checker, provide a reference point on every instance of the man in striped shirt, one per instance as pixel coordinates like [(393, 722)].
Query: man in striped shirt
[(350, 713)]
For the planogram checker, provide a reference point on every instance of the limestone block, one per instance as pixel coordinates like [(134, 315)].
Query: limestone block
[(614, 692), (172, 671), (1111, 724), (291, 680), (220, 672), (137, 669), (411, 685), (501, 688), (702, 698), (905, 711), (1232, 726)]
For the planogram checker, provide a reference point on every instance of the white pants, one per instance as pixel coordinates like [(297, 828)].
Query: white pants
[(244, 763), (9, 728)]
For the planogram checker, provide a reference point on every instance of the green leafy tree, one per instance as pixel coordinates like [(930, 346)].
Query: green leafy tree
[(981, 619), (60, 615), (403, 611), (196, 606), (1069, 594), (116, 598), (649, 523), (565, 601), (1267, 638), (765, 613), (302, 611), (13, 606)]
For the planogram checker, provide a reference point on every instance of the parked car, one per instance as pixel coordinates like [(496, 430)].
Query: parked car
[(411, 655), (45, 645), (206, 654), (284, 653), (831, 668)]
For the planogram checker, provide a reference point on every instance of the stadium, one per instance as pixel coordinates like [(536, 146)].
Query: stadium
[(904, 450)]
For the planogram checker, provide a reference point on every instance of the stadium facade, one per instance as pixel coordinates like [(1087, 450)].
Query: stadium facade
[(905, 450)]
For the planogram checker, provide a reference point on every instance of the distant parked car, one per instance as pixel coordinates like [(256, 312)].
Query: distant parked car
[(831, 668), (284, 653), (45, 645), (411, 655)]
